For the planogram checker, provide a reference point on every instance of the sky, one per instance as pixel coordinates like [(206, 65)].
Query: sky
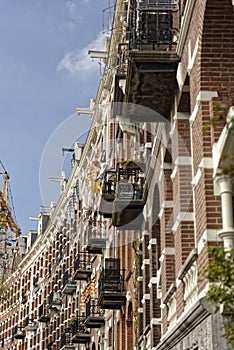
[(45, 74)]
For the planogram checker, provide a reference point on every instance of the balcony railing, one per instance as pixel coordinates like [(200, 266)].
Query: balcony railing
[(69, 285), (79, 333), (94, 314), (96, 240), (55, 301), (108, 193), (19, 333), (131, 194), (65, 342), (82, 267), (153, 24), (149, 56), (43, 314), (31, 326), (111, 293)]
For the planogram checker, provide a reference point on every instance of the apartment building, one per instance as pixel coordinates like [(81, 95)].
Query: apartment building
[(116, 263)]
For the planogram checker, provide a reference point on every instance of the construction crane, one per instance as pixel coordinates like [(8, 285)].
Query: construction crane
[(9, 231)]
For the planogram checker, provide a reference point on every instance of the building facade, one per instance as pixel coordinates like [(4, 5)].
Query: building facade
[(117, 262)]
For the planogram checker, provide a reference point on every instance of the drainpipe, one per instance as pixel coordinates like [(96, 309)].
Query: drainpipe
[(227, 232)]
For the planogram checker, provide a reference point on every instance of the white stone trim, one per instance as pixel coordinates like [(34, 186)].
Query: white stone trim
[(205, 95), (197, 177), (172, 311), (185, 24), (162, 257), (202, 96), (206, 163), (227, 231), (139, 278), (180, 161), (180, 76), (194, 113), (153, 280), (182, 216), (159, 273), (155, 321), (166, 165), (183, 160), (145, 297), (208, 236), (168, 251), (165, 204), (140, 310), (178, 282), (145, 233), (153, 241), (190, 287), (182, 115), (145, 262), (191, 58)]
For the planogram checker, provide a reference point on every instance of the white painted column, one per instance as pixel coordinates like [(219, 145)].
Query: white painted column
[(227, 232)]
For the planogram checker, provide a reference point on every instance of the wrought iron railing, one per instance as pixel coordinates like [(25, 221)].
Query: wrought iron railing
[(63, 340), (110, 281), (93, 309), (78, 327), (153, 23), (108, 186), (94, 232), (131, 182), (82, 262), (54, 298), (67, 279)]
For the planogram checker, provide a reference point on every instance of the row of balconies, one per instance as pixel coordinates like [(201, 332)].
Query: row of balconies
[(110, 283), (111, 295)]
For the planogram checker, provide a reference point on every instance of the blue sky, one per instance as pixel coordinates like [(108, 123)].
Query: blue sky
[(45, 73)]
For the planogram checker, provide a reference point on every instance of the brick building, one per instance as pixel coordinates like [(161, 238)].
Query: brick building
[(116, 264)]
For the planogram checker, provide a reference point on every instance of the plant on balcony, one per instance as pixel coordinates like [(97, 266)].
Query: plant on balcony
[(72, 321), (220, 273), (131, 162)]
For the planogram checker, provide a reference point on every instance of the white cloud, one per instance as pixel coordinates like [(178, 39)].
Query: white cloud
[(79, 61)]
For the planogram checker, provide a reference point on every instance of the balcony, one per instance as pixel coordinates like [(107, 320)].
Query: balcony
[(79, 333), (94, 315), (152, 59), (43, 314), (82, 267), (55, 301), (96, 240), (69, 285), (31, 326), (108, 194), (19, 333), (131, 194), (111, 293), (65, 343)]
